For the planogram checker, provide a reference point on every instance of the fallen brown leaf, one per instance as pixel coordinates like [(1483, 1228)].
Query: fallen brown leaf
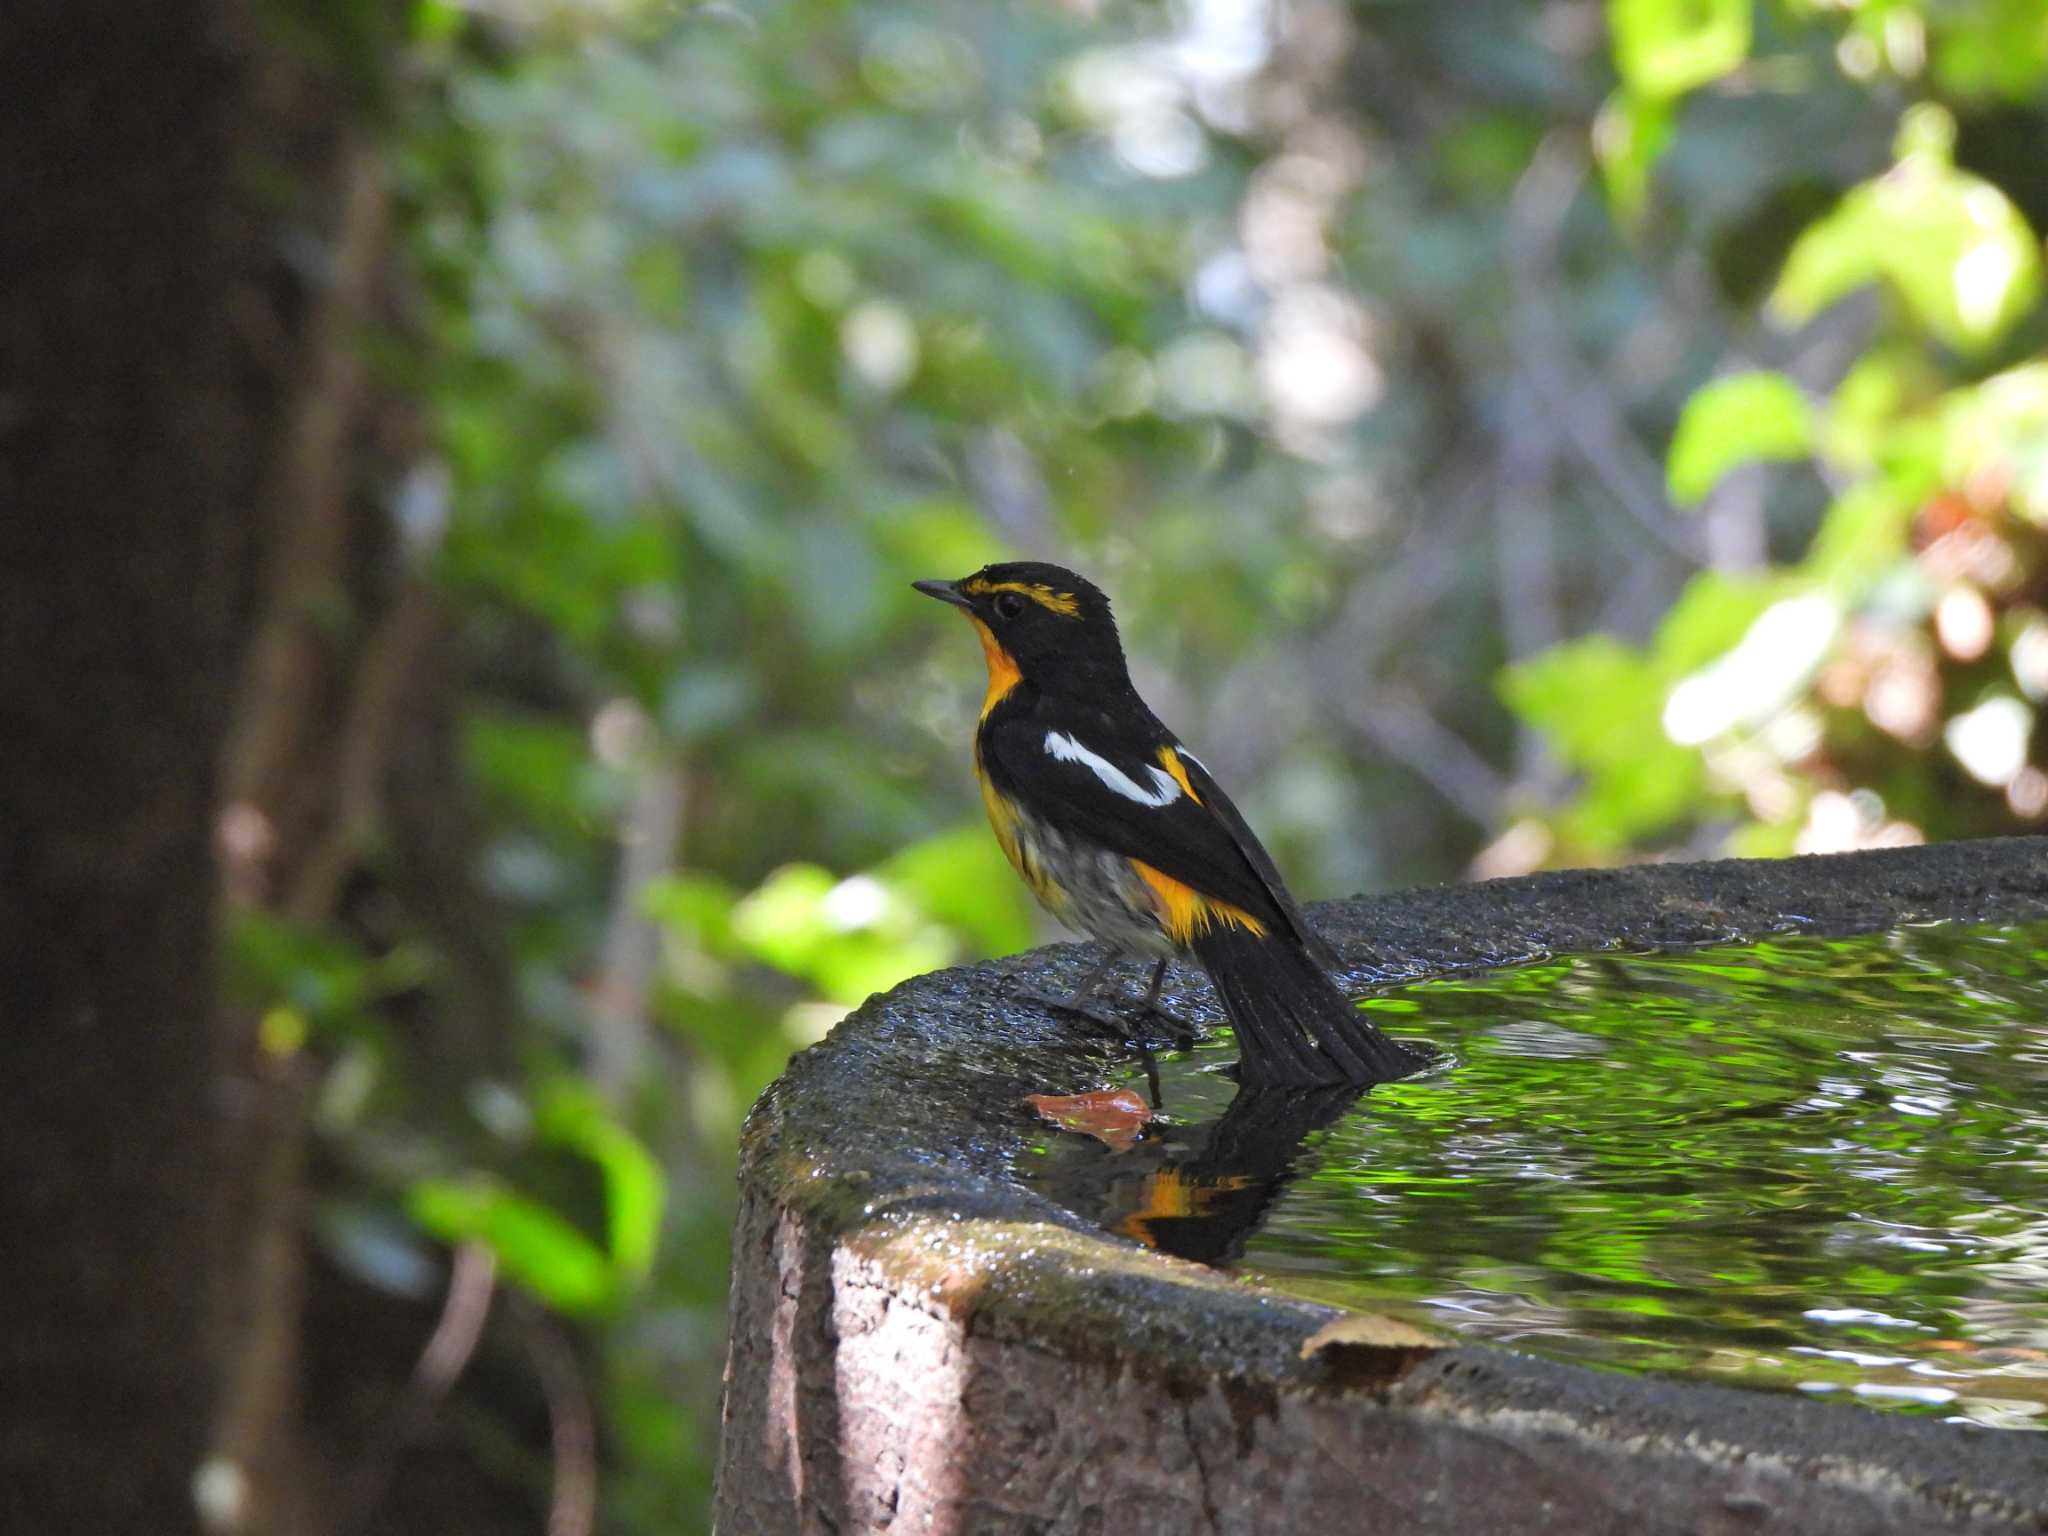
[(1113, 1116)]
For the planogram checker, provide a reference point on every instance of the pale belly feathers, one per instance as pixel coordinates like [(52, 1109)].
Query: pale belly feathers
[(1085, 886)]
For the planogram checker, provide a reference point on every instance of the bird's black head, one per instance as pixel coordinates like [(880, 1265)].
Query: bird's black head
[(1038, 621)]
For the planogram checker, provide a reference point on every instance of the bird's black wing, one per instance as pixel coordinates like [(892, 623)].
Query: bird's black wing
[(1255, 854), (1116, 789)]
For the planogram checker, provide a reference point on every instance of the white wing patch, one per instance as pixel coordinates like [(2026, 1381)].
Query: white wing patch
[(1068, 750)]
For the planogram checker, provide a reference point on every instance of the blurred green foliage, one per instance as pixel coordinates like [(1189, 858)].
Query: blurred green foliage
[(1881, 684), (1345, 348)]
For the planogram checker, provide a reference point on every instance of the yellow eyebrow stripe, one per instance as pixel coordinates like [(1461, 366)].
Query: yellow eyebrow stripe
[(1061, 603)]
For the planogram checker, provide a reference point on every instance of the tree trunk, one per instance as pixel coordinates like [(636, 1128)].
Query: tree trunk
[(134, 428)]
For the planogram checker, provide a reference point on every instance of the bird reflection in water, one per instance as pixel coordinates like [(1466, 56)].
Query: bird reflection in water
[(1195, 1191)]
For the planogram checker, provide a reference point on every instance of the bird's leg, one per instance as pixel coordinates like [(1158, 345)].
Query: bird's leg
[(1081, 1002), (1182, 1031), (1152, 1077)]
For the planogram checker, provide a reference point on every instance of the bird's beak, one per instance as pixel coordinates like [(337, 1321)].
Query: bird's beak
[(944, 591)]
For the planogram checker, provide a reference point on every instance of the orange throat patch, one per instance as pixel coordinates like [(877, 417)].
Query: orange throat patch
[(1002, 667)]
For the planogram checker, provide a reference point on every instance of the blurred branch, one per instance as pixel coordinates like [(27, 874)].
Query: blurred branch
[(1526, 583), (1589, 419), (1009, 489), (1378, 623), (619, 1035), (472, 1282), (1524, 515), (572, 1425), (309, 505), (1382, 611), (1396, 721), (274, 745), (366, 738)]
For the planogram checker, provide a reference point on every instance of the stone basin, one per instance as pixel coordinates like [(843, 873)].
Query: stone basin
[(920, 1343)]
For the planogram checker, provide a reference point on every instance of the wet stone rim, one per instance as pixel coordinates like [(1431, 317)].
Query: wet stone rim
[(920, 1343)]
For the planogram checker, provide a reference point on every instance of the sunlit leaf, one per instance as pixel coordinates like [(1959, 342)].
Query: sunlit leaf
[(537, 1248), (1993, 47), (635, 1188), (1998, 432), (783, 920), (853, 968), (1751, 682), (1735, 421), (1712, 614), (698, 906), (1629, 135), (1862, 538), (961, 878), (1880, 399), (1952, 246), (1601, 705), (1667, 47)]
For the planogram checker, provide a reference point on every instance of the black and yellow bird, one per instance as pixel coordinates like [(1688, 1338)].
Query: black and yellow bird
[(1123, 836)]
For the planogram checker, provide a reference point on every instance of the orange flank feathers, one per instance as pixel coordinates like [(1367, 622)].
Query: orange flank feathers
[(1186, 912)]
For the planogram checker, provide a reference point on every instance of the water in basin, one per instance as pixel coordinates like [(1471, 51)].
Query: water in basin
[(1819, 1165)]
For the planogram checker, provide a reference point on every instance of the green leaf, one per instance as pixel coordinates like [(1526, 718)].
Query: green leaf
[(695, 907), (848, 938), (961, 878), (435, 21), (1629, 136), (1711, 615), (1736, 421), (1601, 703), (783, 919), (1665, 48), (1862, 539), (1876, 399), (635, 1191), (1952, 246), (1999, 430), (536, 1248), (1992, 47)]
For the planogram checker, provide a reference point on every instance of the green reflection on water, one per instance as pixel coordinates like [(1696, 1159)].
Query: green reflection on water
[(1805, 1163)]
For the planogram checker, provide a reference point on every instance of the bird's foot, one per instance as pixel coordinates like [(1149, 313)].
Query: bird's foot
[(1142, 1023), (1078, 1008), (1177, 1029)]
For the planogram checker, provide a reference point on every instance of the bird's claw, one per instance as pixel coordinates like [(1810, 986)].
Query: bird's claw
[(1178, 1029), (1078, 1008)]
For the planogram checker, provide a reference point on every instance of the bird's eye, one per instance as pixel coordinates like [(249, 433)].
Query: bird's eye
[(1008, 605)]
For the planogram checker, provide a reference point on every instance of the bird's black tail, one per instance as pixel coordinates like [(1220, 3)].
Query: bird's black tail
[(1294, 1028)]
